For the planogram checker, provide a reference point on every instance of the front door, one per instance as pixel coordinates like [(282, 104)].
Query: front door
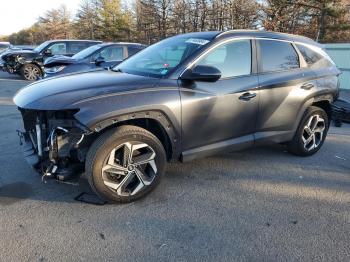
[(221, 114)]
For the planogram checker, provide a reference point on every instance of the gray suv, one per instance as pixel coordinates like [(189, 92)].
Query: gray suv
[(185, 97)]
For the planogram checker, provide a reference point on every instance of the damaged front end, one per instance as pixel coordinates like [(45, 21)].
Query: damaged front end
[(53, 142)]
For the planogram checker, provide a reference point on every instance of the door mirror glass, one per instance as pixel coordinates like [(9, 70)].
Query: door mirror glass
[(99, 60), (202, 73)]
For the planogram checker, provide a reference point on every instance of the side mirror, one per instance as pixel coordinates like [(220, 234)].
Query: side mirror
[(99, 60), (48, 52), (202, 73)]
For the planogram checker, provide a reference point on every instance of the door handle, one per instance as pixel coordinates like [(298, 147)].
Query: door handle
[(307, 86), (247, 96)]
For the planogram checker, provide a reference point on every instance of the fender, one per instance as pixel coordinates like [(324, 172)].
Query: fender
[(172, 130)]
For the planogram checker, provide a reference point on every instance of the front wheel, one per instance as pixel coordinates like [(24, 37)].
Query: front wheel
[(125, 164), (30, 72), (311, 132)]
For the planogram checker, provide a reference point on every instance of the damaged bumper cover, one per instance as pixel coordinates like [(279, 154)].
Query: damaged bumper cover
[(51, 141)]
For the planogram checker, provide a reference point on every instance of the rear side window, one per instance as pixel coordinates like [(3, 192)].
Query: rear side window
[(277, 56), (76, 47), (313, 59)]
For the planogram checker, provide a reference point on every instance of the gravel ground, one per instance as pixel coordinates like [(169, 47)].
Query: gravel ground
[(255, 205)]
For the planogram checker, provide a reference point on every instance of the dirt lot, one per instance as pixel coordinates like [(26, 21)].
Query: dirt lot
[(256, 205)]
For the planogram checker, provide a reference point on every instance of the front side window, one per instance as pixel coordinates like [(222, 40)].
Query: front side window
[(277, 56), (112, 53), (314, 59), (58, 49), (232, 59), (159, 59)]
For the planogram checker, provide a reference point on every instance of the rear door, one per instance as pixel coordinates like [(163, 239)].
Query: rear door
[(285, 84)]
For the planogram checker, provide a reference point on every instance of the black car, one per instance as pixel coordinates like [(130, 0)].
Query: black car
[(29, 63), (98, 56), (185, 97)]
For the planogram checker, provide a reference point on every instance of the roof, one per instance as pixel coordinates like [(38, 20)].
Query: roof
[(337, 46), (268, 34), (74, 40), (121, 43)]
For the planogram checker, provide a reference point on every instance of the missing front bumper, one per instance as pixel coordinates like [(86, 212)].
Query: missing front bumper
[(29, 151)]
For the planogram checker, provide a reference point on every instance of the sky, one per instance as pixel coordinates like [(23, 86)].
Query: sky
[(19, 14)]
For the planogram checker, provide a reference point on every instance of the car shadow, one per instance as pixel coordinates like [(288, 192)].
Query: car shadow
[(262, 166)]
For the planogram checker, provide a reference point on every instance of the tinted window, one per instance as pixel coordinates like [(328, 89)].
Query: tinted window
[(58, 49), (232, 59), (112, 53), (76, 47), (277, 56), (133, 50), (314, 59)]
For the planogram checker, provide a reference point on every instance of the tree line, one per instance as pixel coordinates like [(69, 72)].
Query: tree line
[(148, 21)]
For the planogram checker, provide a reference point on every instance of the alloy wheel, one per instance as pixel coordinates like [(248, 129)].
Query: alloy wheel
[(313, 132), (31, 73), (129, 168)]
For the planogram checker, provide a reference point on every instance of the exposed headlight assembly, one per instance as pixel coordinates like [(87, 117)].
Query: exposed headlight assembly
[(55, 69), (20, 59)]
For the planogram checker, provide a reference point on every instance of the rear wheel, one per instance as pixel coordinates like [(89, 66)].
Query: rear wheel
[(311, 132), (125, 164), (30, 72)]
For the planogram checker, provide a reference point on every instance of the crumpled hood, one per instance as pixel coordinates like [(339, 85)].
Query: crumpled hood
[(12, 52), (66, 92), (59, 60)]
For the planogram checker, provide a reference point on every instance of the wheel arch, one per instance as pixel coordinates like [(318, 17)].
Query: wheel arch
[(326, 106), (155, 122)]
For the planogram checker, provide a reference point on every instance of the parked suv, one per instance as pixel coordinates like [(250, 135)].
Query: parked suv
[(99, 56), (29, 63), (185, 97)]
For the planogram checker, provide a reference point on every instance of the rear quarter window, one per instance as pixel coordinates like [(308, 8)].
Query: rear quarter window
[(277, 56), (314, 59)]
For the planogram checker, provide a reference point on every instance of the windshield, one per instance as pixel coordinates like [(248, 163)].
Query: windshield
[(41, 47), (160, 58), (86, 52)]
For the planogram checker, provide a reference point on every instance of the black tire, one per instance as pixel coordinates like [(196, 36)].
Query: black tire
[(100, 150), (296, 146), (30, 72)]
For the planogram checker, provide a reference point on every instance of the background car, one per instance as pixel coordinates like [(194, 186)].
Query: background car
[(29, 63), (95, 57)]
